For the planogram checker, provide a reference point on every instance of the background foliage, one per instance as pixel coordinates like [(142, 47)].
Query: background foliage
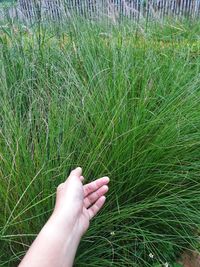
[(118, 100)]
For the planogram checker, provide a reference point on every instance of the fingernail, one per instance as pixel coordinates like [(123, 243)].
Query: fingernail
[(79, 168), (106, 188), (103, 198), (107, 178)]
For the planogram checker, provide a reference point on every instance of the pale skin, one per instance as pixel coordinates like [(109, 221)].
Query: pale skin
[(76, 204)]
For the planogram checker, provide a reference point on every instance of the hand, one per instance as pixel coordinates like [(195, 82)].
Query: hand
[(76, 204)]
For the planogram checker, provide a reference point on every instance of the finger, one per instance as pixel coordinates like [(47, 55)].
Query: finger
[(82, 178), (92, 211), (76, 172), (93, 197), (95, 185)]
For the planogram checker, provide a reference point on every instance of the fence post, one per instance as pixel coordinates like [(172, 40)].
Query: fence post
[(133, 9)]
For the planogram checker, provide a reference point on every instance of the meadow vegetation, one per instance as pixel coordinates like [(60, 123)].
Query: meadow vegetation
[(121, 100)]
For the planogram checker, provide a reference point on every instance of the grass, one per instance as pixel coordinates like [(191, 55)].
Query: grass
[(118, 100), (7, 3)]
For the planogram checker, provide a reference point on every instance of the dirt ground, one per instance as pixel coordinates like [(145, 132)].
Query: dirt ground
[(190, 259)]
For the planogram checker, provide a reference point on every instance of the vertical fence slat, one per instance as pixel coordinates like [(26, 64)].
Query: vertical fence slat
[(95, 9)]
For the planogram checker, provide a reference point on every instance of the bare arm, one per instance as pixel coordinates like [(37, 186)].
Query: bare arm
[(76, 205)]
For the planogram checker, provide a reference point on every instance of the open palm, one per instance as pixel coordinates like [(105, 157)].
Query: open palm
[(77, 203)]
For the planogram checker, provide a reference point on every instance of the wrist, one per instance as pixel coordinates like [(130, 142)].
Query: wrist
[(66, 238), (69, 228), (53, 246)]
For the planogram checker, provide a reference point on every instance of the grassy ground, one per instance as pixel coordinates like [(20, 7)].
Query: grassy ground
[(121, 101), (7, 3)]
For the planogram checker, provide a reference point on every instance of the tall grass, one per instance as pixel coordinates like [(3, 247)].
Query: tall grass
[(118, 100)]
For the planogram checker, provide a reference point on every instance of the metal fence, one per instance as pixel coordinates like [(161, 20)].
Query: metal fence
[(114, 9)]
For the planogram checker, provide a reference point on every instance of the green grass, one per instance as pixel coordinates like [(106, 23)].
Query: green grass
[(118, 100), (7, 3)]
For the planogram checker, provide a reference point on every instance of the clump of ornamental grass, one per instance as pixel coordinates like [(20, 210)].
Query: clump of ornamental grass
[(117, 102)]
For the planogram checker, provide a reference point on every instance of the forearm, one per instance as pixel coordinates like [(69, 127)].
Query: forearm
[(76, 205), (53, 247)]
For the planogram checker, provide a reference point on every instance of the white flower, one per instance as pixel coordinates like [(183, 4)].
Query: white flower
[(112, 233), (166, 264), (151, 255)]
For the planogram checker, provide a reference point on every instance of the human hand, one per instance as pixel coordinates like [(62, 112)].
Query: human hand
[(76, 204)]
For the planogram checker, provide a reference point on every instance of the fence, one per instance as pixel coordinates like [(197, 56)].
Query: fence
[(115, 9)]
